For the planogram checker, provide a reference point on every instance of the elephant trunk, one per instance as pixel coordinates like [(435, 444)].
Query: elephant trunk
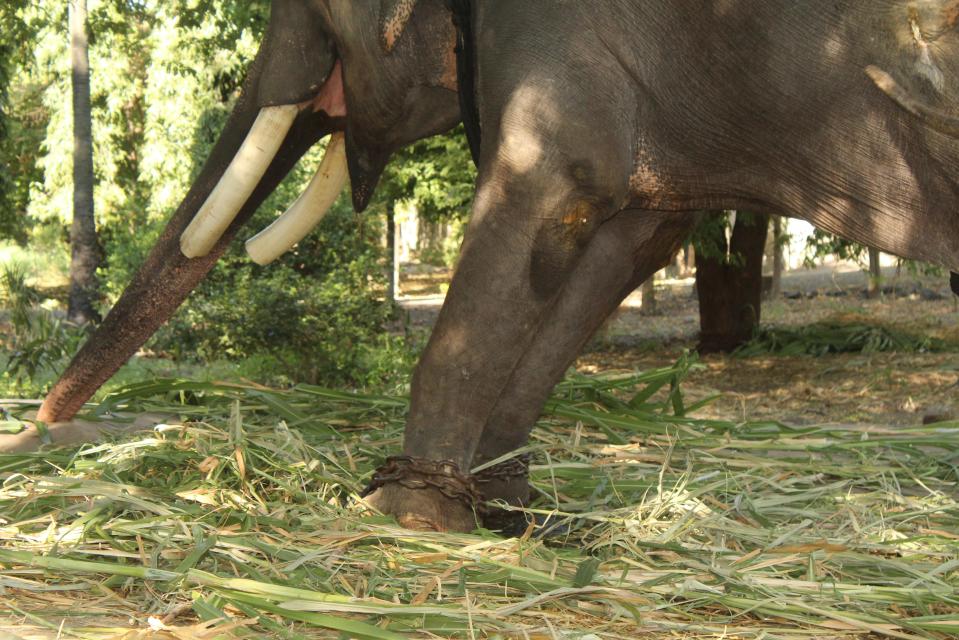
[(168, 276)]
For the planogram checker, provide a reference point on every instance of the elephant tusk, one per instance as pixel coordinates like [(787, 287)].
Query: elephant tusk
[(308, 210), (935, 118), (238, 182)]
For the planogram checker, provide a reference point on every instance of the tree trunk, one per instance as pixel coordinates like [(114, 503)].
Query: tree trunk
[(392, 247), (649, 297), (875, 274), (729, 284), (779, 259), (85, 249), (430, 241)]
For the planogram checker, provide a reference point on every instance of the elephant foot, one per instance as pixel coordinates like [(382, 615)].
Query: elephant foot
[(509, 524), (506, 482), (423, 509), (425, 495)]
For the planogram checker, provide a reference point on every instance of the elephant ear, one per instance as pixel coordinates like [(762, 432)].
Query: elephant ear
[(394, 16), (293, 63)]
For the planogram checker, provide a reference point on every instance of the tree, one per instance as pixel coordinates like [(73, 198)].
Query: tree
[(6, 51), (437, 177), (779, 239), (875, 274), (729, 280), (649, 297), (16, 41), (84, 246), (822, 244)]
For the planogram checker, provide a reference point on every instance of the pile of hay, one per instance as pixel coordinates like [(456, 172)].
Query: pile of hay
[(239, 519)]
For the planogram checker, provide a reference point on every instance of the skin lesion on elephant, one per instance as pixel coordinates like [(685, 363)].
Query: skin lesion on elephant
[(558, 245), (648, 186), (950, 14)]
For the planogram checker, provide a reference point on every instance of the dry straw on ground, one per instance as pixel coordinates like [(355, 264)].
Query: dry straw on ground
[(238, 519)]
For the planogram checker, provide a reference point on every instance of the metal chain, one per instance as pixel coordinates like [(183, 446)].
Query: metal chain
[(417, 473), (511, 469), (446, 477)]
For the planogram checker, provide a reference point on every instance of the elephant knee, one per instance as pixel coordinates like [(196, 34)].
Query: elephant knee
[(588, 202), (560, 242), (553, 212)]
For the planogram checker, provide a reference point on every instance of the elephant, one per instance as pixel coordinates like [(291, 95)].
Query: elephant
[(600, 129)]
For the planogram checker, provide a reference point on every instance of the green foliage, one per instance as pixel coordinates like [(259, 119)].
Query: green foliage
[(21, 142), (711, 236), (165, 74), (435, 175), (836, 336), (38, 341), (822, 244), (319, 312), (18, 297), (13, 44), (316, 330)]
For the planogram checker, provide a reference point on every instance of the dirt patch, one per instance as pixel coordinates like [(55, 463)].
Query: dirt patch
[(884, 388), (888, 388)]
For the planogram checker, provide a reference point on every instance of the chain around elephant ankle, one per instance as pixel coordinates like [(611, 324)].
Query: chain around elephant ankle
[(514, 468), (418, 473)]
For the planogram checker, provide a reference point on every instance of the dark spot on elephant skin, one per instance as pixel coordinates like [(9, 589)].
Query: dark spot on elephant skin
[(558, 245)]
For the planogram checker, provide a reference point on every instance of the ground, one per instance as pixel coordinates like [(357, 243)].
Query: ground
[(807, 501), (899, 389)]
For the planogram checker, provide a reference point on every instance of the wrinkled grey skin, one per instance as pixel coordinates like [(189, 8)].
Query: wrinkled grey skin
[(605, 123)]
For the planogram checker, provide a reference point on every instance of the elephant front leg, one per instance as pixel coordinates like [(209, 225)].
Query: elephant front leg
[(525, 240), (625, 252)]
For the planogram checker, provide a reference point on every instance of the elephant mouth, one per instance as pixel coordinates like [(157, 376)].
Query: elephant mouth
[(332, 96), (251, 162)]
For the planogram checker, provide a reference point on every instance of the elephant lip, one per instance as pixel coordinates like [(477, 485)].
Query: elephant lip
[(331, 99)]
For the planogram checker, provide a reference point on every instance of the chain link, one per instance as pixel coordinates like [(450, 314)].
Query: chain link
[(505, 471), (446, 477), (417, 473)]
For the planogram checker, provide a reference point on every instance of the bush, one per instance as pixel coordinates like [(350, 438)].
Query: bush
[(319, 314), (314, 329), (39, 342)]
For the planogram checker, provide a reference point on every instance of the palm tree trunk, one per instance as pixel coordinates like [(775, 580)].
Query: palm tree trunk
[(84, 247)]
